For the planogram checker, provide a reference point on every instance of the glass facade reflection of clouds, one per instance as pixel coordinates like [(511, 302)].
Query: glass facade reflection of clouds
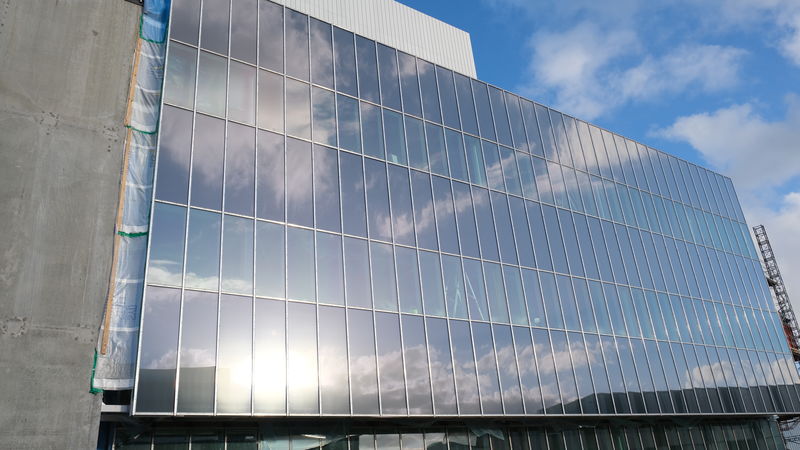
[(340, 228)]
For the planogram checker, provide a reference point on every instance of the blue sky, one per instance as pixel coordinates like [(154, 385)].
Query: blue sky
[(716, 82)]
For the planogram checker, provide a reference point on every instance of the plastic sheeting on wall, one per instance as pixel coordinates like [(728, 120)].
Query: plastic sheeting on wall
[(116, 349)]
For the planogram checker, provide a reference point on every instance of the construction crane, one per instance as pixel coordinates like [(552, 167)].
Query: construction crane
[(775, 281)]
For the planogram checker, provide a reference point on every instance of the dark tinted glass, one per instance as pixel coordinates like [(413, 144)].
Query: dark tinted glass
[(356, 273), (424, 220), (299, 207), (500, 116), (242, 95), (486, 233), (445, 216), (180, 76), (353, 203), (324, 116), (270, 267), (185, 20), (198, 352), (244, 23), (348, 123), (215, 22), (466, 104), (298, 109), (372, 130), (484, 110), (330, 271), (465, 217), (379, 220)]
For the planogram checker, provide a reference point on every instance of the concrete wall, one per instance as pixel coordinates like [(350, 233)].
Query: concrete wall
[(396, 25), (64, 78)]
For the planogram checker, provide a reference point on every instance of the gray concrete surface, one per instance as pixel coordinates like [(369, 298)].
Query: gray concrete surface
[(64, 72)]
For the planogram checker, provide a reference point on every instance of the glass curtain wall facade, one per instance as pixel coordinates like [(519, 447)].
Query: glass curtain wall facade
[(343, 229)]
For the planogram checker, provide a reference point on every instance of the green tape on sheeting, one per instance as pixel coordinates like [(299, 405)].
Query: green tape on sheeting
[(141, 131), (141, 36), (92, 389), (131, 235)]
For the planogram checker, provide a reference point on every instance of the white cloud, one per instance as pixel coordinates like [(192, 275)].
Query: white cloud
[(591, 70), (754, 151), (761, 156)]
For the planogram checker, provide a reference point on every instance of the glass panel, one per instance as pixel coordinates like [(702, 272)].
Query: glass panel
[(415, 138), (500, 116), (301, 359), (324, 112), (296, 27), (353, 209), (185, 21), (466, 105), (333, 384), (432, 294), (363, 371), (395, 137), (444, 394), (390, 83), (555, 319), (269, 350), (465, 216), (430, 93), (390, 364), (436, 149), (330, 283), (241, 99), (326, 189), (454, 287), (448, 97), (173, 155), (540, 244), (372, 130), (486, 231), (568, 305), (202, 255), (237, 255), (367, 70), (484, 110), (270, 101), (384, 290), (477, 172), (321, 53), (415, 353), (466, 379), (566, 378), (547, 372), (198, 352), (475, 290), (408, 280), (533, 298), (487, 369), (166, 254), (211, 84), (494, 170), (509, 376), (583, 376), (348, 125), (599, 375), (380, 225), (270, 40), (207, 162), (496, 292), (445, 217), (409, 84), (299, 208), (344, 61), (181, 72), (516, 300), (455, 155), (158, 357), (300, 264), (505, 234), (234, 364), (270, 267), (356, 272), (239, 174), (215, 23), (423, 210), (509, 162), (298, 109)]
